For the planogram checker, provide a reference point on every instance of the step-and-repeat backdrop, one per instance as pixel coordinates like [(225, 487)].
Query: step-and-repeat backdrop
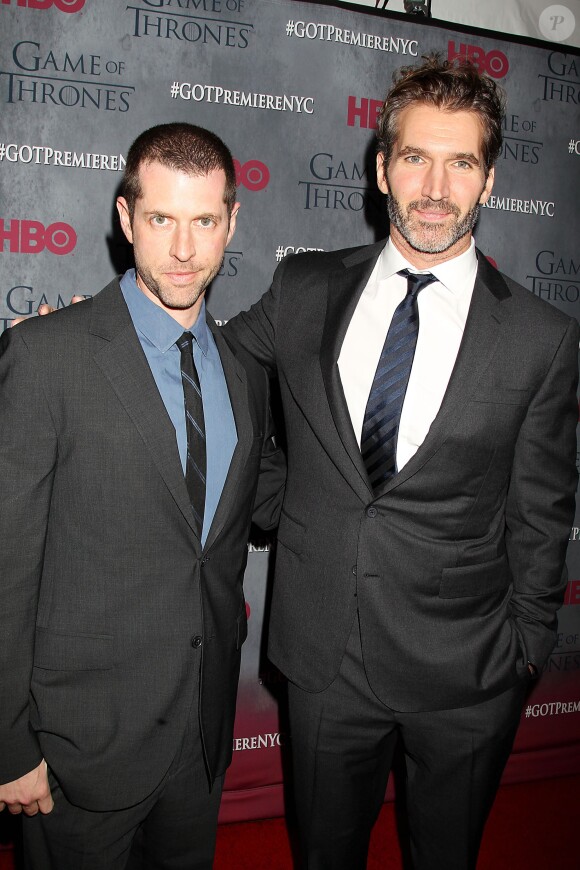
[(294, 89)]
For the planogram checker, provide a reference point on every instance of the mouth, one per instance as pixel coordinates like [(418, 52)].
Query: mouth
[(181, 277), (432, 216)]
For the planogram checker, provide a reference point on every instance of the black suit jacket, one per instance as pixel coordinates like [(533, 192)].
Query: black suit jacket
[(456, 566), (104, 582)]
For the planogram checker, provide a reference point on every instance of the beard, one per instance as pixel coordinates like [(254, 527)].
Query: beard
[(425, 236), (173, 297)]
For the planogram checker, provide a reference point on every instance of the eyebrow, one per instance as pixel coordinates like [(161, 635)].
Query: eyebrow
[(459, 155), (160, 213)]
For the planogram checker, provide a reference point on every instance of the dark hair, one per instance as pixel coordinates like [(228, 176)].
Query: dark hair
[(453, 87), (183, 147)]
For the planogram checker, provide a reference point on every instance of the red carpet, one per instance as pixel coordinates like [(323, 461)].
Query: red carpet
[(533, 826)]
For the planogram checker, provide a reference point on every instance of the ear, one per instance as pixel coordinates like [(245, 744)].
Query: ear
[(233, 220), (124, 218), (488, 187), (382, 173)]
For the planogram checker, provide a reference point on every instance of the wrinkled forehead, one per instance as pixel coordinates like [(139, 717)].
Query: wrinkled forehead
[(423, 125)]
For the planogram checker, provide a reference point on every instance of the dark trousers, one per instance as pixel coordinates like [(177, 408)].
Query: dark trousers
[(343, 741), (172, 829)]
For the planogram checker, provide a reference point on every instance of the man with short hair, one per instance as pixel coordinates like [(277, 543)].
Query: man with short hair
[(148, 452), (430, 406)]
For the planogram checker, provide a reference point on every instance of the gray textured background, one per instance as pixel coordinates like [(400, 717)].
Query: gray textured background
[(127, 56)]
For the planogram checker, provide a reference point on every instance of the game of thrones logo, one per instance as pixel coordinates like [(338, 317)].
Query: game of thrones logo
[(195, 21), (339, 185), (557, 278), (64, 79), (562, 82)]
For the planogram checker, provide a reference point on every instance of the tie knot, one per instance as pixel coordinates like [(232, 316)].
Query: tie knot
[(415, 282), (185, 342)]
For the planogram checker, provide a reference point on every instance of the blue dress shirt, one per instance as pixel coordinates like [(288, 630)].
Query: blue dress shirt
[(158, 332)]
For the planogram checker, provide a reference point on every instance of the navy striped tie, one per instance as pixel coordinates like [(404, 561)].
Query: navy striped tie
[(195, 468), (385, 402)]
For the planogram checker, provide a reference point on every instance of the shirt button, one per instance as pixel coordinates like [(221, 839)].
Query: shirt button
[(371, 512), (196, 641)]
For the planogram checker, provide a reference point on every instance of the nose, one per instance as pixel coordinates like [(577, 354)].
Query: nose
[(182, 244), (436, 182)]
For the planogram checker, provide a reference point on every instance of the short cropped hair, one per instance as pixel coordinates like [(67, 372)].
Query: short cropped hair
[(448, 86), (183, 147)]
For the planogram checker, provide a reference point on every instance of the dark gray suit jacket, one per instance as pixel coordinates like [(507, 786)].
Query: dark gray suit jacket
[(104, 582), (456, 566)]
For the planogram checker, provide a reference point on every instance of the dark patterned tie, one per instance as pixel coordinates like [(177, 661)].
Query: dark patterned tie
[(195, 468), (385, 402)]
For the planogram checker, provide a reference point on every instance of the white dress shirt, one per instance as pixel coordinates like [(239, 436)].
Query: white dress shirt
[(443, 309)]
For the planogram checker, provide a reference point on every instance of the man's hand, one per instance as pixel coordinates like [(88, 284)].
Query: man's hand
[(29, 794), (46, 309)]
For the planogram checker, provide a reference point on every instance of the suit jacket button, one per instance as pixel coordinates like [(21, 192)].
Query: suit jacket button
[(196, 641), (371, 512)]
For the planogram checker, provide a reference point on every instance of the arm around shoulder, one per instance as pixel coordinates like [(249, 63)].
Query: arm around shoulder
[(272, 478), (256, 329)]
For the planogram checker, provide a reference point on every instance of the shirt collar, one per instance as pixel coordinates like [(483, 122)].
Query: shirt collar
[(156, 324), (457, 274)]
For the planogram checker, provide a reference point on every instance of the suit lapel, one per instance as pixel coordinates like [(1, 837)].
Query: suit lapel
[(344, 290), (476, 354), (237, 383), (125, 366)]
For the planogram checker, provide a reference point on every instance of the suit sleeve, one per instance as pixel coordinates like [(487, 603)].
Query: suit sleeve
[(540, 501), (272, 477), (256, 328), (27, 461)]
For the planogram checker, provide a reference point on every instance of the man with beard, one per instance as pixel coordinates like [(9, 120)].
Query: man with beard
[(430, 406), (147, 452), (430, 410)]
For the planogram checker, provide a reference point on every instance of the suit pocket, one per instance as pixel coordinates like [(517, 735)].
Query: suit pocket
[(291, 533), (502, 395), (60, 651), (475, 580)]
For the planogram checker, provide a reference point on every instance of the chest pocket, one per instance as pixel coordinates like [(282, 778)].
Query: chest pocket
[(503, 395)]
